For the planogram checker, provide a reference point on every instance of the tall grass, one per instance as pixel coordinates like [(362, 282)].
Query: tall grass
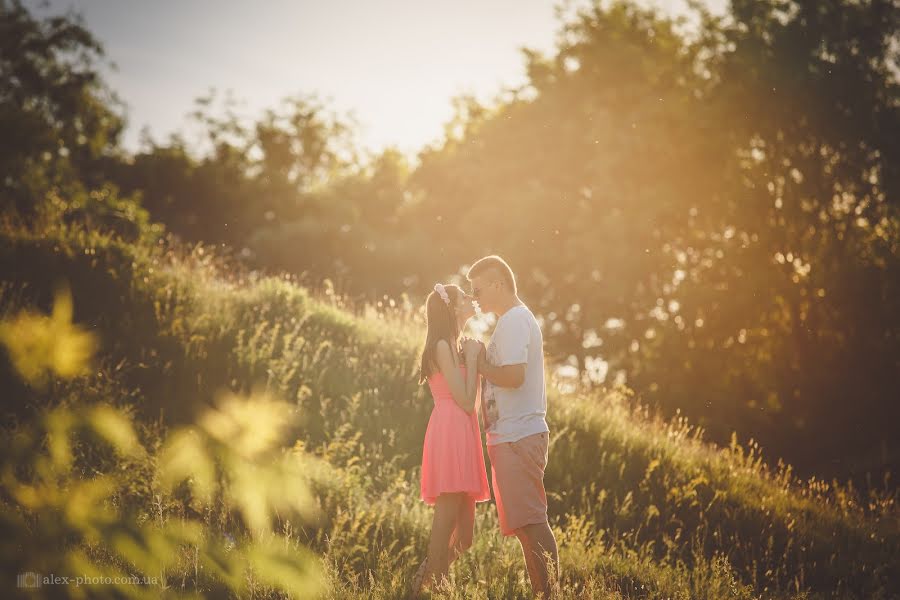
[(642, 507)]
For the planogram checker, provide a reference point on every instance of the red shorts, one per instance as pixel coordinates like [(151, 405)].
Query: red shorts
[(517, 470)]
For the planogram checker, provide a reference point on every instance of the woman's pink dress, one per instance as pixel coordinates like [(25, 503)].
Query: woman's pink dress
[(452, 458)]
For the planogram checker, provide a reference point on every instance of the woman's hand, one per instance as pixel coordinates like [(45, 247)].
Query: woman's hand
[(471, 349), (482, 358)]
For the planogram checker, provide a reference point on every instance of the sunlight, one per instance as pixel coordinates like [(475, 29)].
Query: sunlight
[(674, 222)]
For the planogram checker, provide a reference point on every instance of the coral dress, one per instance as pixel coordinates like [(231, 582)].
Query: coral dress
[(452, 457)]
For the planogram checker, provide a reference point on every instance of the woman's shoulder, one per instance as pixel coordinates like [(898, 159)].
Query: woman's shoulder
[(443, 347), (443, 344)]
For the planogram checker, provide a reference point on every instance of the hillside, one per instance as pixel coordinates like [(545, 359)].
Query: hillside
[(642, 508)]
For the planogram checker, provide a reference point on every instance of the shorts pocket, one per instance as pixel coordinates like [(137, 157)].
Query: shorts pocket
[(533, 449), (543, 450)]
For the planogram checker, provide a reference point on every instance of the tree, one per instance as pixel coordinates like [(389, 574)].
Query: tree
[(713, 213), (802, 292), (58, 118), (249, 176)]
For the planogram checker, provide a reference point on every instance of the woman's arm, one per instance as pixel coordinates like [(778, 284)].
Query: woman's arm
[(463, 391)]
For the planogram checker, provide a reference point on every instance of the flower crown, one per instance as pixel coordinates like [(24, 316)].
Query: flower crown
[(439, 288)]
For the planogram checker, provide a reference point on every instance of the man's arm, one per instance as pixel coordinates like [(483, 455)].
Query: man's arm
[(507, 376)]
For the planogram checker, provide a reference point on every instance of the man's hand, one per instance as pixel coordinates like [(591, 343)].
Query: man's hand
[(507, 376)]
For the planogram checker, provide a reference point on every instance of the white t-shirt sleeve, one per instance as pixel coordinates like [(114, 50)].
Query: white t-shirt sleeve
[(512, 338)]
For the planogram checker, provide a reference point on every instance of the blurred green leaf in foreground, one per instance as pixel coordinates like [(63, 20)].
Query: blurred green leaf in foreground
[(41, 344)]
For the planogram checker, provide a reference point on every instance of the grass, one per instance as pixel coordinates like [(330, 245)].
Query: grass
[(641, 507)]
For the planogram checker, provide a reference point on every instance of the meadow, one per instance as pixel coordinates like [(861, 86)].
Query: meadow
[(170, 416)]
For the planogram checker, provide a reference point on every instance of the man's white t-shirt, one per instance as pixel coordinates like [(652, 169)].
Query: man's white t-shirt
[(509, 414)]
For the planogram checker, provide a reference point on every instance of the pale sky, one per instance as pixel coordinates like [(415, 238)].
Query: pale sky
[(395, 64)]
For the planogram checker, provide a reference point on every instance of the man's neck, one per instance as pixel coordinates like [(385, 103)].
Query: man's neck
[(509, 303)]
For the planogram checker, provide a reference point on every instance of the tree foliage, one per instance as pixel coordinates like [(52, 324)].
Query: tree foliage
[(59, 120), (704, 208)]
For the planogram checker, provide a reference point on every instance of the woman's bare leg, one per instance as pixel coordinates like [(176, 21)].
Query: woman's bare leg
[(446, 509), (463, 533)]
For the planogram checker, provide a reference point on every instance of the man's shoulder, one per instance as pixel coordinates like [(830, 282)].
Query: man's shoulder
[(524, 315), (513, 319), (519, 312)]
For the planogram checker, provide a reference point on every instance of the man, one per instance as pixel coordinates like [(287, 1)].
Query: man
[(514, 409)]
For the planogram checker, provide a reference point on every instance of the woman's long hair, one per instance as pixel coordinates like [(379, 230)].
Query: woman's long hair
[(440, 318)]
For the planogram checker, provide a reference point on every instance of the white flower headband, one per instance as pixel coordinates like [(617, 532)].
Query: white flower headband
[(439, 288)]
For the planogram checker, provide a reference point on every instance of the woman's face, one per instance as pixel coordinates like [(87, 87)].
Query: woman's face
[(464, 308)]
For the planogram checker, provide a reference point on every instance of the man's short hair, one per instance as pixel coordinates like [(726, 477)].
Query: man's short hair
[(493, 265)]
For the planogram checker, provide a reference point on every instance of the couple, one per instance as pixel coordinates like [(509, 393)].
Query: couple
[(509, 374)]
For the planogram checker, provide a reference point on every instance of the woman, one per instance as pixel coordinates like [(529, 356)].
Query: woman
[(453, 473)]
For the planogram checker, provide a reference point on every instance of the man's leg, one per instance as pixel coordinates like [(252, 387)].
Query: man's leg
[(539, 547), (518, 469), (530, 561)]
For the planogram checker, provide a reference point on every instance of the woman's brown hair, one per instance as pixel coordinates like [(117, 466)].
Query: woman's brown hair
[(440, 320)]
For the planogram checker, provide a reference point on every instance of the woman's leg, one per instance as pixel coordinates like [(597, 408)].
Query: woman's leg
[(446, 509), (463, 533)]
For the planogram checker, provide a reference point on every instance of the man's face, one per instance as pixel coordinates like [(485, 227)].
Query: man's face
[(485, 290), (464, 307)]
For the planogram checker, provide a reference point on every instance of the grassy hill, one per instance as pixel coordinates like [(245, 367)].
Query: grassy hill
[(642, 507)]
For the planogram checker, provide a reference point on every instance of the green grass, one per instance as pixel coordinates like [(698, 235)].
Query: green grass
[(642, 507)]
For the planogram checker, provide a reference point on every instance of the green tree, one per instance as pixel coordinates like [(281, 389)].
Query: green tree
[(58, 118), (797, 298), (248, 175), (348, 229), (713, 212)]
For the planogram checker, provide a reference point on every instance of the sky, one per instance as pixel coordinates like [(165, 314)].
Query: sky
[(394, 65)]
